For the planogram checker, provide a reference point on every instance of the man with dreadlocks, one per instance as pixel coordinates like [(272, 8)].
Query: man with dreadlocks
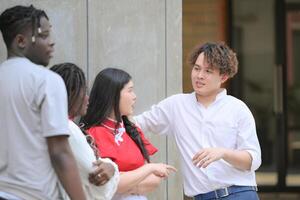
[(215, 132), (34, 148)]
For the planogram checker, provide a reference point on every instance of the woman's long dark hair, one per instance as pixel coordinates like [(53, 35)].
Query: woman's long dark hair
[(105, 98), (135, 136)]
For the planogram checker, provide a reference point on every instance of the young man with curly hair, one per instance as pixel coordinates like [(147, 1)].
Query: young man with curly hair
[(215, 132)]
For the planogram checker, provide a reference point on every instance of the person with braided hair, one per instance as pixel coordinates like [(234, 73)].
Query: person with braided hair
[(35, 156), (215, 132), (102, 173), (111, 102)]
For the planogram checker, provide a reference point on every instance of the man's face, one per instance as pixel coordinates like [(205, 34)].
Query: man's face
[(40, 51), (206, 80)]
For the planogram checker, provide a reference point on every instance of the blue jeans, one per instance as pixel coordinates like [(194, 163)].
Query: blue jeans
[(236, 195)]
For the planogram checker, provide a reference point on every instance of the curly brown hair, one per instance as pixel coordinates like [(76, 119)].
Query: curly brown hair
[(217, 55)]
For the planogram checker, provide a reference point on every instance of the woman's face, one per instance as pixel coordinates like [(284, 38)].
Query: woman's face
[(127, 99), (84, 105), (81, 105)]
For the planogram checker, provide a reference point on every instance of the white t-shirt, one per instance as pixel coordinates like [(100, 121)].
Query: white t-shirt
[(33, 106), (84, 156), (227, 123)]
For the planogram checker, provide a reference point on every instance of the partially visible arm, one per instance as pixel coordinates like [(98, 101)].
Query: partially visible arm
[(107, 190), (246, 156), (102, 173), (150, 183), (65, 166), (158, 119), (130, 179), (240, 159)]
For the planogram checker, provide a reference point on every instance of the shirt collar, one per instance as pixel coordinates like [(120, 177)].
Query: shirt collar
[(219, 96), (111, 123)]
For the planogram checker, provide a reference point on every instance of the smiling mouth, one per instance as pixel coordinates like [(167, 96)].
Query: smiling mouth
[(198, 84)]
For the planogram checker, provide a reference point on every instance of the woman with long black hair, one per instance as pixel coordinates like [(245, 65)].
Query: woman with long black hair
[(112, 100)]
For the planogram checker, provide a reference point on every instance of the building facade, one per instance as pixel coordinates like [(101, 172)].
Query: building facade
[(151, 40)]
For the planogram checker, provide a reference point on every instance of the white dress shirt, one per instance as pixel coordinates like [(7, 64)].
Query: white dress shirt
[(226, 123)]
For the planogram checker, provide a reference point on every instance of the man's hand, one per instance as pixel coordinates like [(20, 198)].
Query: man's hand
[(208, 155), (102, 173), (240, 159)]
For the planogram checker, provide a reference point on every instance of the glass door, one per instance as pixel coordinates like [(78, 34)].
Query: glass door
[(253, 38), (266, 36), (293, 92)]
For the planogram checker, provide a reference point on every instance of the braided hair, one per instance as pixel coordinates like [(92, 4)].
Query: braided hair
[(74, 80), (17, 19), (105, 98), (135, 136)]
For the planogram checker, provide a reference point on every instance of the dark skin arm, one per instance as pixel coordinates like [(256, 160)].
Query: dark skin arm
[(65, 166), (102, 174)]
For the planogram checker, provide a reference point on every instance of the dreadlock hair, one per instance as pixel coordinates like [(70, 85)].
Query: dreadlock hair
[(105, 99), (217, 55), (74, 80), (17, 19)]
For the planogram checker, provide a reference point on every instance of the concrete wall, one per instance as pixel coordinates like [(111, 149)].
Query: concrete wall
[(144, 37)]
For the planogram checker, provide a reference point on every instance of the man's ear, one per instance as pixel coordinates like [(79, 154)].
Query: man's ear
[(224, 78), (21, 41)]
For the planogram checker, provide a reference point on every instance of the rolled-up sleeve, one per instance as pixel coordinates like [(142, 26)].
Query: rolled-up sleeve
[(247, 137)]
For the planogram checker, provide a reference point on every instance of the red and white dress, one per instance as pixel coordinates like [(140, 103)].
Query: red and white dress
[(113, 142)]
